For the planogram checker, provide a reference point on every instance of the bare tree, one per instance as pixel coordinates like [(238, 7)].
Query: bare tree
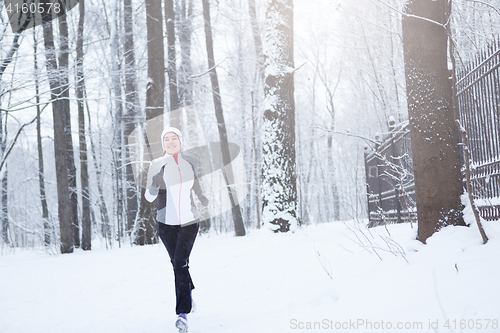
[(171, 61), (3, 140), (256, 101), (117, 145), (41, 175), (239, 227), (434, 141), (63, 73), (98, 172), (131, 110), (4, 194), (185, 27), (60, 142), (279, 188), (154, 106), (80, 93)]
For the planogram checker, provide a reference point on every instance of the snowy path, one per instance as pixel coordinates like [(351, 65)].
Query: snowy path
[(261, 283)]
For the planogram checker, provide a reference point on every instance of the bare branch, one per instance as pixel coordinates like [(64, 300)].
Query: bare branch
[(4, 159), (327, 267), (347, 134), (412, 16), (486, 4), (208, 70), (10, 55)]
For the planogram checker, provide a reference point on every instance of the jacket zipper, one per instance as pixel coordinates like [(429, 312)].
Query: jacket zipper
[(180, 190)]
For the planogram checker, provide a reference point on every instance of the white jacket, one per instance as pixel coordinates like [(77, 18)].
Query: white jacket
[(173, 183)]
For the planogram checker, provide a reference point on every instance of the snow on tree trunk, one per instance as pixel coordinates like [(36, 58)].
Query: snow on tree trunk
[(171, 63), (279, 189), (117, 145), (84, 175), (63, 74), (185, 27), (436, 161), (131, 114)]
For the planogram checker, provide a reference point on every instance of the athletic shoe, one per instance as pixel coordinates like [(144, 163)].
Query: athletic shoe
[(182, 323)]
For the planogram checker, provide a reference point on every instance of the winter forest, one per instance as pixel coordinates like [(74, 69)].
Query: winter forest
[(285, 99)]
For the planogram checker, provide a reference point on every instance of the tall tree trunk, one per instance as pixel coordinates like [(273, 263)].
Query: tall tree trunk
[(171, 66), (131, 113), (256, 105), (66, 114), (41, 174), (436, 162), (279, 188), (239, 227), (185, 11), (60, 142), (84, 175), (118, 130), (5, 182), (256, 159), (331, 165), (333, 176), (3, 139), (98, 173), (5, 201), (257, 40), (304, 194), (154, 106)]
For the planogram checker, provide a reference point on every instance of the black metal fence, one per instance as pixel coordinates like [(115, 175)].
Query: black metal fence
[(389, 172), (389, 179), (478, 93)]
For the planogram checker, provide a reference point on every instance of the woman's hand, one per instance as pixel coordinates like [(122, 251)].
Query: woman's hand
[(154, 172), (156, 181)]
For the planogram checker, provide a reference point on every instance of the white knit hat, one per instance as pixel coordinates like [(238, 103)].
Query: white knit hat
[(168, 130)]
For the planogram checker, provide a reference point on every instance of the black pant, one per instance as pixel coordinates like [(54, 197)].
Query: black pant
[(179, 242)]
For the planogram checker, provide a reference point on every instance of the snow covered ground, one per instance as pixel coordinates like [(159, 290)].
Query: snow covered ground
[(266, 283)]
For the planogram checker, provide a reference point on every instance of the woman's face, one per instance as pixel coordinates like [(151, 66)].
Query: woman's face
[(171, 143)]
